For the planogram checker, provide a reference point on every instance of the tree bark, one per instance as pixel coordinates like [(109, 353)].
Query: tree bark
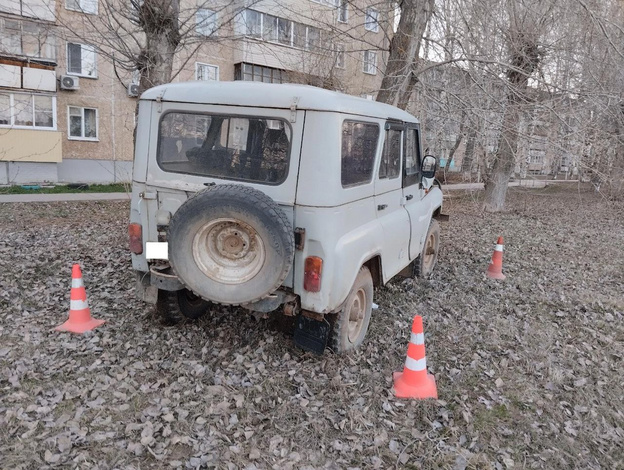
[(525, 58), (399, 79), (159, 19)]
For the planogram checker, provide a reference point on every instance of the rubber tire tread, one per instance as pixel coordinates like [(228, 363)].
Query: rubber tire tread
[(418, 264), (189, 310), (339, 328), (254, 198), (167, 308)]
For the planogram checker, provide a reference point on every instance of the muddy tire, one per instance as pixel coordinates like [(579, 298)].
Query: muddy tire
[(231, 244), (167, 308), (428, 258), (351, 322), (192, 306)]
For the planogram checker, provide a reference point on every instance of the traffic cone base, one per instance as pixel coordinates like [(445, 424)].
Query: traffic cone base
[(79, 313), (425, 389), (79, 327), (493, 273)]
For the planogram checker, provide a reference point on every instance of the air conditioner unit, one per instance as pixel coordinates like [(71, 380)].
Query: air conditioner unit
[(69, 83), (133, 89)]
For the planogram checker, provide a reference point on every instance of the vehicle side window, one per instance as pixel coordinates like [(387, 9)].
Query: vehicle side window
[(233, 147), (390, 165), (411, 157), (359, 145)]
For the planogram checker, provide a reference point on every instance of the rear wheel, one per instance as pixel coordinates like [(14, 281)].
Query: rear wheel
[(351, 322), (168, 311), (192, 306)]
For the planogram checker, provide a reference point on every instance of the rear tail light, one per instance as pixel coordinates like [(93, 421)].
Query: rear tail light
[(312, 274), (135, 233)]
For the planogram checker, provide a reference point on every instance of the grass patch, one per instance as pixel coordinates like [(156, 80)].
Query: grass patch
[(90, 188)]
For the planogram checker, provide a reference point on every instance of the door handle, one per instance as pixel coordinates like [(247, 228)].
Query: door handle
[(381, 207), (409, 197)]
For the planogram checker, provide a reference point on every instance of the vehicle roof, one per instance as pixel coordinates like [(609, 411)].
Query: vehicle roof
[(273, 95)]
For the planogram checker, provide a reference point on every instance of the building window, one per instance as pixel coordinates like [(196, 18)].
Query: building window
[(206, 72), (289, 33), (206, 22), (258, 73), (25, 38), (359, 146), (343, 11), (253, 24), (27, 111), (85, 6), (370, 62), (81, 60), (340, 56), (284, 31), (82, 123), (371, 21)]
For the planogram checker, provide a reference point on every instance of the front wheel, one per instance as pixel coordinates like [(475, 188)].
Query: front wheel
[(351, 322), (426, 262)]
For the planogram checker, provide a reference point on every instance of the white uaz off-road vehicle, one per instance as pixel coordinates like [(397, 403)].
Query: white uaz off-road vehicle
[(283, 197)]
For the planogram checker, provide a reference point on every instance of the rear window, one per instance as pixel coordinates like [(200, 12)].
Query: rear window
[(232, 147), (359, 144)]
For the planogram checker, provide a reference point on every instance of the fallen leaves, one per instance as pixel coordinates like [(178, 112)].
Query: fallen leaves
[(528, 370)]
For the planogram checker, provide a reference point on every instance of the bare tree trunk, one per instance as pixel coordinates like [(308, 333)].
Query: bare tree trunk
[(399, 78), (525, 57), (469, 154), (159, 19), (458, 141)]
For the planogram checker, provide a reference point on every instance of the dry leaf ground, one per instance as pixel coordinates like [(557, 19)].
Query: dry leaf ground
[(529, 370)]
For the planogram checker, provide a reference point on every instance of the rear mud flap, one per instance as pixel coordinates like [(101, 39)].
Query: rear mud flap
[(311, 335)]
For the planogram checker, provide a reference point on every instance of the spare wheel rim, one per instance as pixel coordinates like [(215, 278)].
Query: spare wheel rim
[(356, 312), (228, 251)]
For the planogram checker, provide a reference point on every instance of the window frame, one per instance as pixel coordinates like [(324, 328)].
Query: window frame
[(392, 126), (210, 22), (371, 20), (12, 113), (81, 9), (343, 11), (339, 50), (294, 41), (198, 65), (287, 127), (82, 126), (374, 156), (367, 65), (410, 180), (81, 74)]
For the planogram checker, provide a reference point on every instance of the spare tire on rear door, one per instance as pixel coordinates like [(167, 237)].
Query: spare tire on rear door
[(231, 244)]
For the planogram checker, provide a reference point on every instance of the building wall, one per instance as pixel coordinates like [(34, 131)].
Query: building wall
[(54, 155)]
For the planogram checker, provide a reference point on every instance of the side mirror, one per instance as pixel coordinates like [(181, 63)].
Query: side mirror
[(429, 166)]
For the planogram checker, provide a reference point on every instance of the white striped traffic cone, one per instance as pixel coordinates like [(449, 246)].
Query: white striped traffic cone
[(79, 313), (414, 381), (495, 269)]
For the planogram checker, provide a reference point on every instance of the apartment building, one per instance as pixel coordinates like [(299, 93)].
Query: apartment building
[(68, 95)]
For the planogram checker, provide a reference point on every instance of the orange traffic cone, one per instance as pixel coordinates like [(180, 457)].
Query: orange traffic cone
[(79, 313), (495, 270), (414, 381)]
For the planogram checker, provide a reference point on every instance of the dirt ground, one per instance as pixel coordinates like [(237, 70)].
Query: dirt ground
[(529, 370)]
